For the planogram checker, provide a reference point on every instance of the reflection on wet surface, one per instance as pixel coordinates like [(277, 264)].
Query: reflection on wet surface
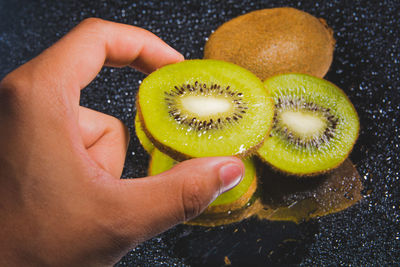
[(249, 243), (288, 198), (297, 199)]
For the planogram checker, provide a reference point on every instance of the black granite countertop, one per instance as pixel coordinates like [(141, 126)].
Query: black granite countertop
[(366, 66)]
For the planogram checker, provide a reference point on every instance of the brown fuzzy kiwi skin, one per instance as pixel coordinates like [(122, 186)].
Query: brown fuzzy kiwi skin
[(178, 156), (314, 174), (273, 41)]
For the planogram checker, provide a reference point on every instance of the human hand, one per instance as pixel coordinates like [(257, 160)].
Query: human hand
[(61, 199)]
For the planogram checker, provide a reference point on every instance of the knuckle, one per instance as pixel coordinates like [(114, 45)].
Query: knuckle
[(125, 130), (93, 25), (9, 93), (11, 82), (121, 129), (192, 197), (120, 124), (93, 22)]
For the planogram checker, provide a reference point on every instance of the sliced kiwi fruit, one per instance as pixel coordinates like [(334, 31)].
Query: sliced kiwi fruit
[(199, 108), (315, 125), (160, 162), (143, 139), (274, 41), (233, 199)]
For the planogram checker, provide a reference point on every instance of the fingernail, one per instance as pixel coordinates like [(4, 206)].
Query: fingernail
[(230, 174)]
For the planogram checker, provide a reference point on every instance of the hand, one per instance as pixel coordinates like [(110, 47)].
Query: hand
[(61, 199)]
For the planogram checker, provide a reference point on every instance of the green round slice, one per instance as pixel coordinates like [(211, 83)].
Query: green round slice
[(199, 108), (315, 125), (143, 139), (161, 162)]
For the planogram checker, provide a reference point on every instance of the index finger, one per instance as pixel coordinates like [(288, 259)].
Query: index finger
[(74, 61)]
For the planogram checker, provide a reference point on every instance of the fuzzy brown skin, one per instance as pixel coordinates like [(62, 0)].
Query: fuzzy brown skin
[(273, 41)]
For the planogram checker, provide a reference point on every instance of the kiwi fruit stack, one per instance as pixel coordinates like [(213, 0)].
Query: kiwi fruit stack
[(274, 41), (314, 127), (298, 124), (202, 108)]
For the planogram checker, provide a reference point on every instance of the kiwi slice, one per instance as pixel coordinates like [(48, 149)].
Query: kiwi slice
[(160, 162), (228, 201), (143, 139), (199, 108), (315, 125), (274, 41)]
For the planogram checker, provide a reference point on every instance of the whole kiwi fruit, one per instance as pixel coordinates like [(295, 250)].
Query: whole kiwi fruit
[(274, 41)]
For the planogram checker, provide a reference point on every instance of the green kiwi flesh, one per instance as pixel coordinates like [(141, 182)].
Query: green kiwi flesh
[(199, 108), (143, 139), (161, 162), (315, 125)]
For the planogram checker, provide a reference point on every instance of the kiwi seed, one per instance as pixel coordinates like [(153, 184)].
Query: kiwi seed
[(322, 135), (199, 89)]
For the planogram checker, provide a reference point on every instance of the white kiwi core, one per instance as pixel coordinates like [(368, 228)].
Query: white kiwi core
[(205, 106), (305, 124)]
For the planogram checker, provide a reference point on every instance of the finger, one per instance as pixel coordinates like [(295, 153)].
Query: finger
[(177, 195), (74, 61), (105, 139)]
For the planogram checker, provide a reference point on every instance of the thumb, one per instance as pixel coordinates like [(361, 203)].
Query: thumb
[(177, 195)]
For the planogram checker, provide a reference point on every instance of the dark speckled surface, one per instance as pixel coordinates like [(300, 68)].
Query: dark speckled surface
[(366, 66)]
